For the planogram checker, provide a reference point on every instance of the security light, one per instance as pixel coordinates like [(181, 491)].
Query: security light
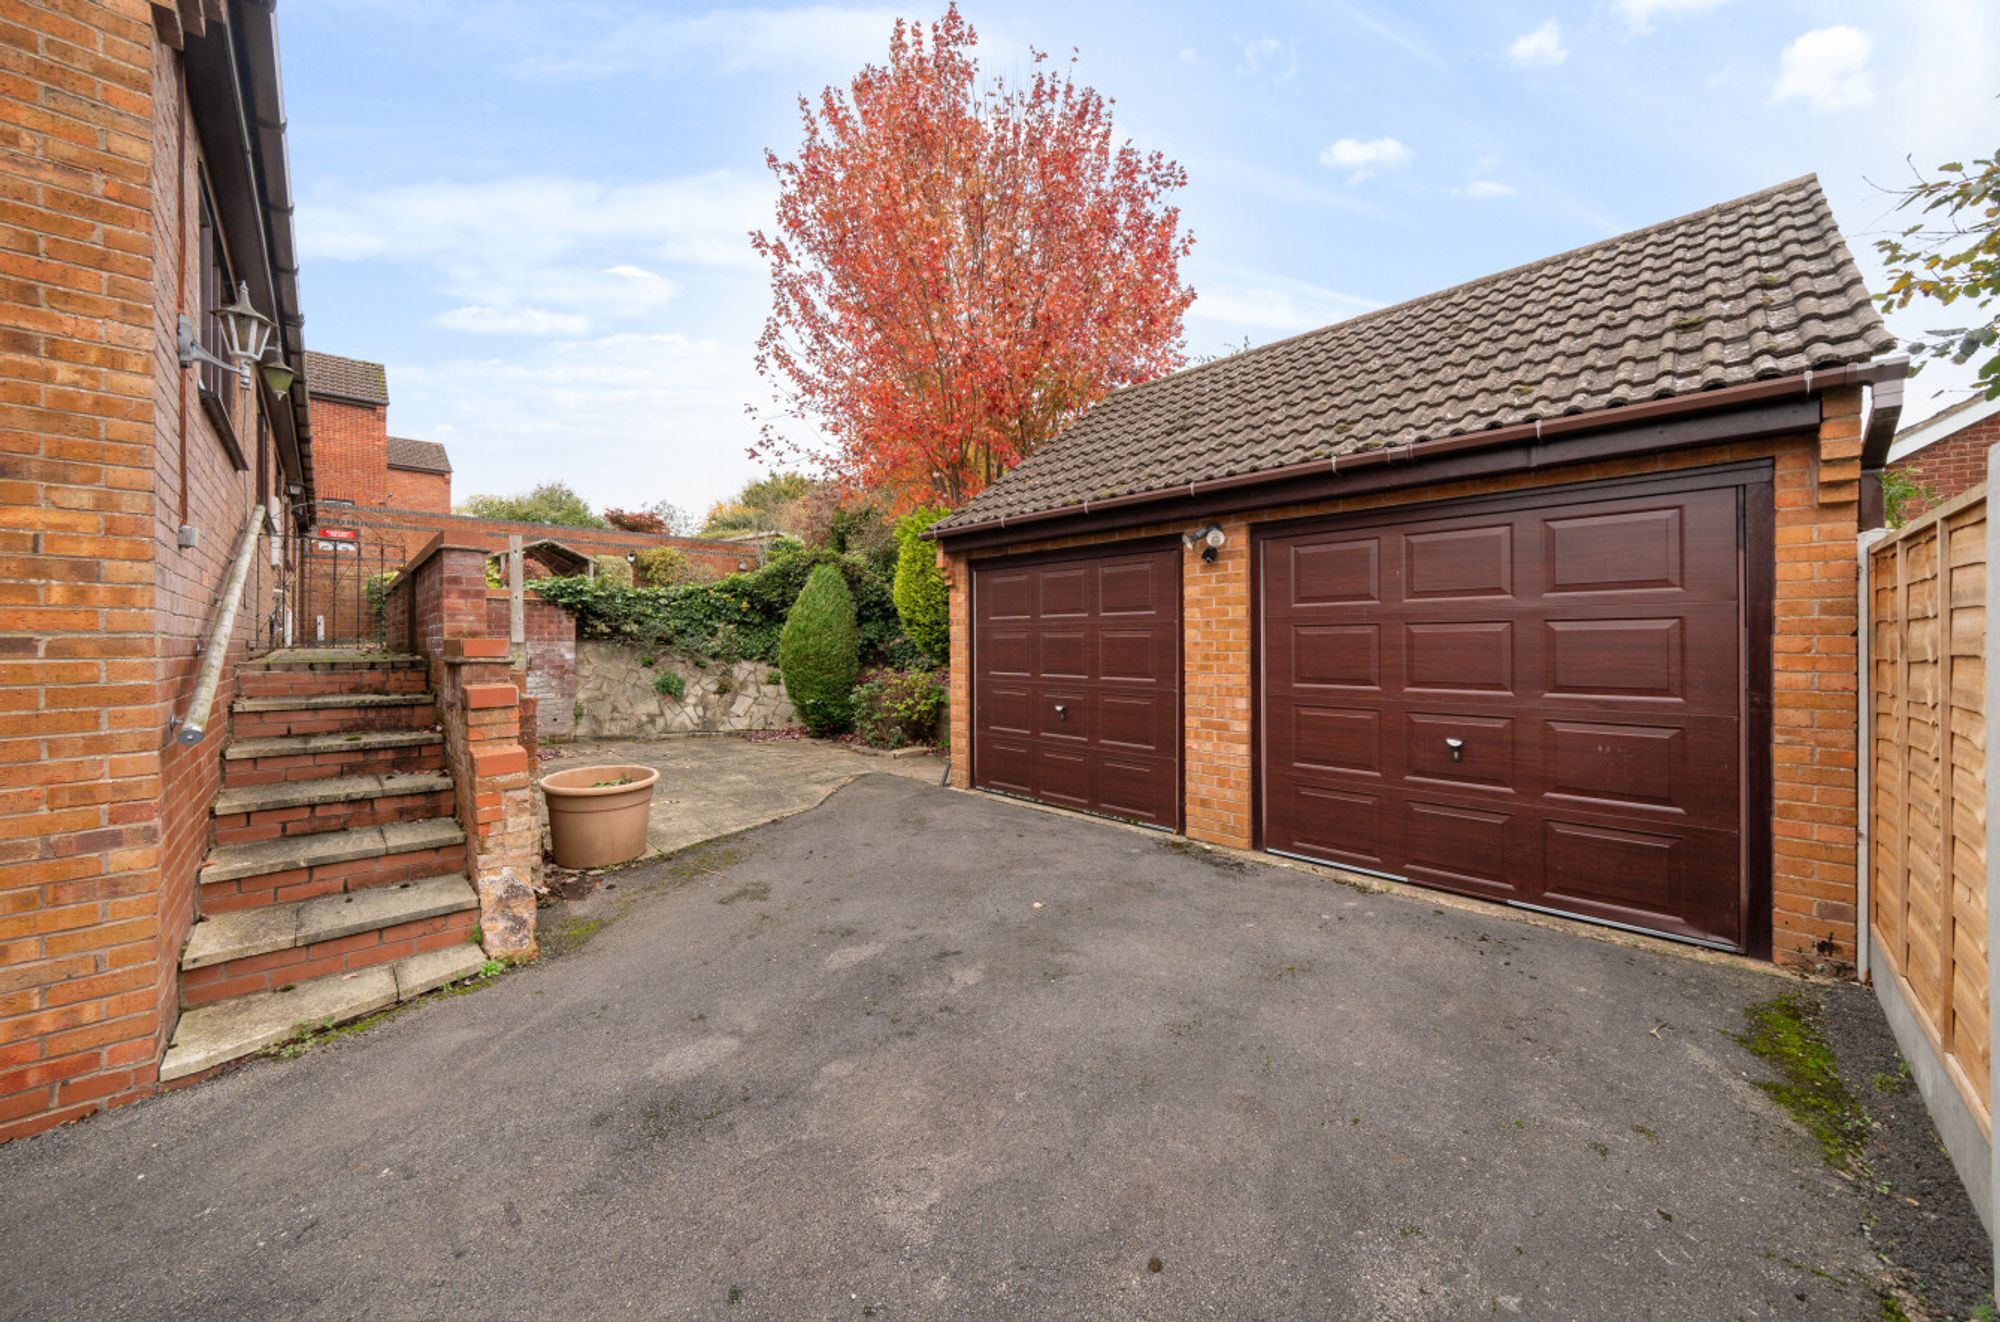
[(1209, 539), (245, 334)]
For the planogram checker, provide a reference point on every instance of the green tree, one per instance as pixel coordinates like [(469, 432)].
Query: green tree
[(1952, 257), (919, 590), (763, 505), (551, 502), (819, 652)]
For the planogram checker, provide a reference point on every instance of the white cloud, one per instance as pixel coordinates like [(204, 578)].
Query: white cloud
[(730, 40), (1827, 69), (1234, 296), (1486, 188), (1539, 49), (1639, 14), (481, 320), (1269, 56), (1189, 55), (1363, 158)]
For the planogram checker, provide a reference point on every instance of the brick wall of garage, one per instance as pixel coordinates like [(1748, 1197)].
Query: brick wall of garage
[(1947, 467), (1814, 726)]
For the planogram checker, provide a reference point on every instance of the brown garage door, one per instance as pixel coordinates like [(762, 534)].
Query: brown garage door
[(1541, 703), (1076, 682)]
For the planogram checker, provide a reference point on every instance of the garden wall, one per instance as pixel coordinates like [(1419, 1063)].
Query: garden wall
[(549, 644), (616, 697), (1930, 877)]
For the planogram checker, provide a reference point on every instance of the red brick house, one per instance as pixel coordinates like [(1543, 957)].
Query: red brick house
[(1540, 589), (145, 181), (1946, 454), (358, 461)]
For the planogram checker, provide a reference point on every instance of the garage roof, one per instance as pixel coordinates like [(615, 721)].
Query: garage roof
[(328, 375), (1756, 288), (422, 456)]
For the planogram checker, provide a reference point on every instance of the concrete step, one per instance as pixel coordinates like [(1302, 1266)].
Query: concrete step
[(276, 758), (230, 1030), (225, 937), (247, 813), (251, 950), (301, 673), (263, 872), (327, 713)]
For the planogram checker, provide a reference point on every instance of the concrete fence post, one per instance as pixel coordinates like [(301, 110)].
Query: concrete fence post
[(517, 626)]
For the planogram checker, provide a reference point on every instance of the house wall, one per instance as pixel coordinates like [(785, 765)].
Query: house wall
[(1816, 491), (350, 452), (1950, 466), (409, 489), (101, 815)]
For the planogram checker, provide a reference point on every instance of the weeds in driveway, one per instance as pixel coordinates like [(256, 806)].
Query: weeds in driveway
[(1784, 1033), (309, 1035)]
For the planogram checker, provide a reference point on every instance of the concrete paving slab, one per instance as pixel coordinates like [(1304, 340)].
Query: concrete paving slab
[(434, 968), (216, 1034), (293, 745), (330, 917), (332, 789)]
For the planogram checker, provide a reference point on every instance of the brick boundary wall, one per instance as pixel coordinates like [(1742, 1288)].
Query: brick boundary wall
[(413, 530), (1816, 488), (1950, 466), (439, 609), (550, 659)]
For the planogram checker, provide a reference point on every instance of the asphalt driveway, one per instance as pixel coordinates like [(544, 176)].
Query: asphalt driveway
[(915, 1053)]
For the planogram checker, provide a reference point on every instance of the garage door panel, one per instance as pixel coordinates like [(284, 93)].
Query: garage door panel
[(1486, 763), (1334, 573), (1340, 826), (1461, 848), (1332, 739), (1471, 657), (1063, 653), (1586, 655), (1347, 656), (1086, 713), (1459, 563), (1005, 707)]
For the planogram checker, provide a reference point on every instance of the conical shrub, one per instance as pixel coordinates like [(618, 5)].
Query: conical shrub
[(819, 652)]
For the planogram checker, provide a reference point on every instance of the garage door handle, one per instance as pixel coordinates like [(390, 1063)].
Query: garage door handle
[(1457, 747), (1062, 712)]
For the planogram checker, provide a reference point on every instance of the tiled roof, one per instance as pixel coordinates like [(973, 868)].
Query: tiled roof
[(424, 456), (1755, 288), (333, 377)]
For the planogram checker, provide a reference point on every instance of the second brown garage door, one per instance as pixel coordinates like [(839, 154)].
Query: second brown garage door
[(1538, 702), (1076, 682)]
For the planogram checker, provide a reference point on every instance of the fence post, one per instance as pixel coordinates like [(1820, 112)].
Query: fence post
[(1992, 855), (517, 627), (1864, 754)]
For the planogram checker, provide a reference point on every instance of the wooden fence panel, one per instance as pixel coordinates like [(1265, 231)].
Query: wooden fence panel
[(1926, 700)]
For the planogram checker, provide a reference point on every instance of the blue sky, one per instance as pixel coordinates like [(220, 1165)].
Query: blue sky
[(535, 213)]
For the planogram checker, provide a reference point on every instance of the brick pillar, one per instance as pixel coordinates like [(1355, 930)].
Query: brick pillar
[(1815, 718), (443, 592), (958, 587), (1215, 674)]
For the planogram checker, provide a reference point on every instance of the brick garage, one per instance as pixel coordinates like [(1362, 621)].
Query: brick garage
[(108, 450), (1275, 444), (1946, 454)]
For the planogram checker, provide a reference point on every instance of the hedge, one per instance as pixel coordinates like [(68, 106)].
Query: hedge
[(738, 617), (819, 652), (919, 590)]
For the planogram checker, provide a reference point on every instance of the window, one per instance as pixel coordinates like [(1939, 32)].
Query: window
[(216, 288)]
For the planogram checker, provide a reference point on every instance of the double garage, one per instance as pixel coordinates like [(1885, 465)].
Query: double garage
[(1558, 698)]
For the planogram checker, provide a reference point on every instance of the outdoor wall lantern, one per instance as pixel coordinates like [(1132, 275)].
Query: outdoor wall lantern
[(245, 334), (276, 374), (1209, 539)]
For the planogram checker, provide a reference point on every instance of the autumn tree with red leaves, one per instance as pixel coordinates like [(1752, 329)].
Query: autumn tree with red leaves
[(957, 271)]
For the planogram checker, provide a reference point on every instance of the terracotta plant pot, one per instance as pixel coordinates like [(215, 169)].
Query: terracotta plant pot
[(597, 815)]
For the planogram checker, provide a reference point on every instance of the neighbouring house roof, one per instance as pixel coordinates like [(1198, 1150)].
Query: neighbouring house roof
[(422, 456), (1939, 426), (329, 376), (1756, 288)]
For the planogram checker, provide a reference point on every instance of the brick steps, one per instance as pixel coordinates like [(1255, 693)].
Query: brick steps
[(303, 674), (243, 876), (324, 713), (247, 813), (273, 758), (251, 950), (216, 1034)]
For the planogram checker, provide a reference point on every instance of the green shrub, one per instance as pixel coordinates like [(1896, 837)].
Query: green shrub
[(664, 567), (819, 651), (919, 592), (377, 588), (612, 569), (895, 708), (737, 618), (668, 684)]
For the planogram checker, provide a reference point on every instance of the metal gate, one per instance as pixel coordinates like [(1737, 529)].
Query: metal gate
[(327, 591)]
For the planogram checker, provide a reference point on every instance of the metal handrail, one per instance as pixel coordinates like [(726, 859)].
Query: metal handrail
[(195, 724)]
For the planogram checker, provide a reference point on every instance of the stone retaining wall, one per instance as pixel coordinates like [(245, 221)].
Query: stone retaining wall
[(615, 697)]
